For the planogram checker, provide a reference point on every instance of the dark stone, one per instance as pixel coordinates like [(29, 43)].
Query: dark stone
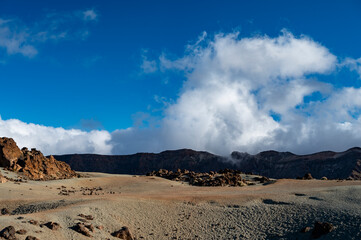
[(31, 238), (52, 225), (5, 211), (305, 229), (322, 228)]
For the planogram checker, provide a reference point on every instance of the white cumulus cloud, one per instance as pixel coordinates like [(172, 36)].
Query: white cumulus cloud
[(246, 94), (52, 140)]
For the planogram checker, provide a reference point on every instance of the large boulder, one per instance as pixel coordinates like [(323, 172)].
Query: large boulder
[(33, 163), (9, 152)]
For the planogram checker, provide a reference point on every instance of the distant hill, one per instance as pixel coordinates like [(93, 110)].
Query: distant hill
[(333, 165)]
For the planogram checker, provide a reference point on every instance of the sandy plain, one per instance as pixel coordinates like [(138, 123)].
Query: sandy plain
[(156, 208)]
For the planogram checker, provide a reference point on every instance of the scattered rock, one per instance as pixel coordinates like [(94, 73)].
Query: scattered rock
[(262, 179), (123, 233), (8, 233), (52, 225), (3, 179), (21, 231), (87, 217), (322, 228), (84, 228), (307, 176), (33, 222), (31, 238), (305, 229), (5, 211), (226, 177)]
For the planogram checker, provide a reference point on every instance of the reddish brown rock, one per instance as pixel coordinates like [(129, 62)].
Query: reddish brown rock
[(21, 232), (8, 233), (87, 217), (52, 225), (84, 229), (33, 222), (9, 152), (31, 238), (124, 234), (3, 179), (225, 177), (33, 163)]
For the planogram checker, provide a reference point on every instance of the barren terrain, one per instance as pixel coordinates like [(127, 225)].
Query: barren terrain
[(156, 208)]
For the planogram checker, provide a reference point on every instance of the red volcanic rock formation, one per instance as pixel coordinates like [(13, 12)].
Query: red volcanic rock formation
[(32, 163), (9, 152)]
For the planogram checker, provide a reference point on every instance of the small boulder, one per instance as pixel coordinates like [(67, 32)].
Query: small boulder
[(33, 222), (8, 233), (324, 178), (3, 179), (87, 217), (123, 233), (322, 228), (84, 229), (21, 232), (305, 229), (5, 211), (31, 238), (52, 225), (307, 176)]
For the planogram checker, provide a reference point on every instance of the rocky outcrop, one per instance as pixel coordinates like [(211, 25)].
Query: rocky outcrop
[(225, 177), (33, 164), (9, 152)]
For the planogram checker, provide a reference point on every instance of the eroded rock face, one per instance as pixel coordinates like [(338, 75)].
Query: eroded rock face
[(37, 167), (9, 152), (33, 163)]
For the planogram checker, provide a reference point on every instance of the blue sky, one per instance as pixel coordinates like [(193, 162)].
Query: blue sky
[(121, 69)]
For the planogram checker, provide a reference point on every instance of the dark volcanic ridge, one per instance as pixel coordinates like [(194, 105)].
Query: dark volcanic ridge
[(272, 164)]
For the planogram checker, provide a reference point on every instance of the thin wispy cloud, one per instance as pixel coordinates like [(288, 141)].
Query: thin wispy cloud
[(18, 37), (90, 15), (15, 40)]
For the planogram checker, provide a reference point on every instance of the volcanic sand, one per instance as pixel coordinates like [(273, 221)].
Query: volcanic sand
[(156, 208)]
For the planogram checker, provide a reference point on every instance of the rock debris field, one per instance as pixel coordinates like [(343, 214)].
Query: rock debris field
[(105, 206)]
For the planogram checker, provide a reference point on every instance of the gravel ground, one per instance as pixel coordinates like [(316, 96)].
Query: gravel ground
[(155, 208)]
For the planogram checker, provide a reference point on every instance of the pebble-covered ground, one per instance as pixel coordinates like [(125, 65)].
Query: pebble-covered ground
[(156, 208)]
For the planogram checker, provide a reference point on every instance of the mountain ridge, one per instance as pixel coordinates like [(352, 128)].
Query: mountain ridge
[(333, 165)]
